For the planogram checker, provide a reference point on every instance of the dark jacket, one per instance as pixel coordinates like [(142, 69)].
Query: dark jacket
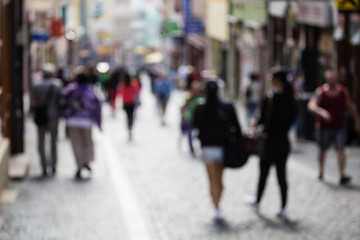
[(281, 117), (214, 122)]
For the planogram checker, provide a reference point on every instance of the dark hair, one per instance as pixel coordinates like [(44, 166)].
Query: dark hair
[(254, 76), (127, 79), (282, 76), (211, 92), (82, 78)]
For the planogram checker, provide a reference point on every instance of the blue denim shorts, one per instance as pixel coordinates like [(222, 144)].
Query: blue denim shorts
[(212, 154), (327, 137)]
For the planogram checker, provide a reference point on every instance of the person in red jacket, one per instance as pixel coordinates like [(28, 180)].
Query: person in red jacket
[(129, 92), (329, 103)]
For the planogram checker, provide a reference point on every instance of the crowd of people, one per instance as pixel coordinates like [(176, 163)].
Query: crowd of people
[(205, 114), (79, 101), (276, 111)]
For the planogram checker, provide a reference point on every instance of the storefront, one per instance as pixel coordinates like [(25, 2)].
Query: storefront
[(195, 48), (247, 42), (317, 21)]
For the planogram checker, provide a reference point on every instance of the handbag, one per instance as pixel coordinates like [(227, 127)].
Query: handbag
[(235, 149), (255, 139), (255, 142)]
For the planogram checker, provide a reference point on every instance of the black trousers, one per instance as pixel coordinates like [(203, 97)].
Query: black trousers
[(276, 153), (129, 109)]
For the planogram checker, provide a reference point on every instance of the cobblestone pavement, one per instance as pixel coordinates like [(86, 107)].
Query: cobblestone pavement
[(172, 191), (60, 207)]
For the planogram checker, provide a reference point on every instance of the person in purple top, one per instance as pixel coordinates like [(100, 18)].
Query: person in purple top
[(81, 109)]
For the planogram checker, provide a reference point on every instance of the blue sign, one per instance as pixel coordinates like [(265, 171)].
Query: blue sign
[(192, 25), (40, 36)]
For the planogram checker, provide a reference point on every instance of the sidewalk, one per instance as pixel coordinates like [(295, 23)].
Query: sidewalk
[(151, 188), (60, 207)]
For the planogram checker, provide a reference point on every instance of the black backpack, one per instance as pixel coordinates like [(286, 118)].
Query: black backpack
[(41, 117)]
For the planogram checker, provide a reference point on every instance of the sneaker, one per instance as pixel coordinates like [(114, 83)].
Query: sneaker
[(78, 174), (252, 203), (283, 215), (345, 180)]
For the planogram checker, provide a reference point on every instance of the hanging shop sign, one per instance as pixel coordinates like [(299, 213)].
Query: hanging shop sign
[(57, 28), (278, 8), (315, 13), (40, 5), (348, 5), (172, 28), (40, 36), (191, 24), (217, 26), (249, 11)]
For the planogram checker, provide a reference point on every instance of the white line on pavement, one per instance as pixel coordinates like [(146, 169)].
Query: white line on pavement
[(134, 219)]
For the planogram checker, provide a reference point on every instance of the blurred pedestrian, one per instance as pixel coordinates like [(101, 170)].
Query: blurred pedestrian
[(46, 93), (212, 119), (111, 86), (129, 91), (93, 73), (162, 88), (135, 81), (81, 109), (329, 103), (278, 112), (188, 109), (254, 94)]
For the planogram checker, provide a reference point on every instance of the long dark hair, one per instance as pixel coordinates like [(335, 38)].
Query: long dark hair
[(289, 93), (82, 78), (211, 93), (127, 79)]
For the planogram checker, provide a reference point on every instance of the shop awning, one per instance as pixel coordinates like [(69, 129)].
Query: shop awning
[(40, 5)]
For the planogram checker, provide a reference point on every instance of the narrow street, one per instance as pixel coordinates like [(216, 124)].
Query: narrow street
[(151, 188)]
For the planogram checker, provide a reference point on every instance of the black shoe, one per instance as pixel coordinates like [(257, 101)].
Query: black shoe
[(44, 173), (53, 171), (320, 177), (78, 174), (221, 223), (345, 180)]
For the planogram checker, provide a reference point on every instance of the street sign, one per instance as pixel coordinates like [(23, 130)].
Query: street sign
[(194, 26), (348, 5)]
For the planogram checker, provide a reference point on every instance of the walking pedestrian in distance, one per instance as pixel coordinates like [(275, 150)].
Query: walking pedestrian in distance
[(162, 87), (187, 113), (46, 93), (277, 115), (111, 86), (212, 129), (81, 109), (129, 91), (254, 94), (329, 103)]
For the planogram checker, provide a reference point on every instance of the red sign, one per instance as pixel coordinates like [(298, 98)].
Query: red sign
[(56, 28)]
